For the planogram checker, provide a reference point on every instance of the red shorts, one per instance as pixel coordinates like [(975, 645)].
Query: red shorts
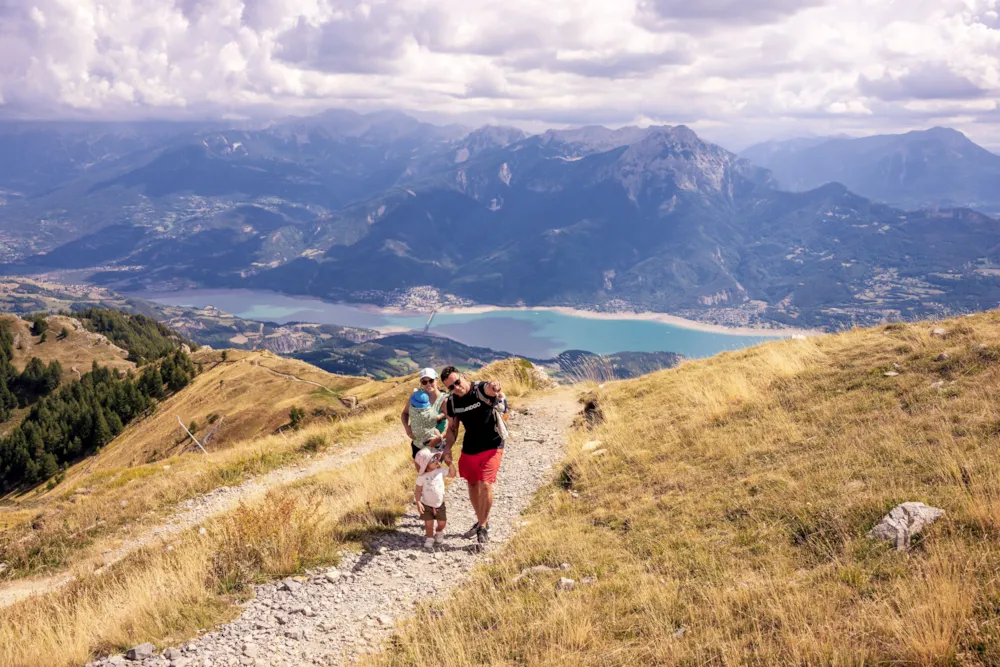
[(482, 467)]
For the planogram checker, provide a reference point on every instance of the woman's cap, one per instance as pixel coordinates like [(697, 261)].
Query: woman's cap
[(428, 373), (420, 399)]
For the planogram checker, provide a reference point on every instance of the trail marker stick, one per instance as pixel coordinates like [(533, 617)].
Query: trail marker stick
[(192, 435)]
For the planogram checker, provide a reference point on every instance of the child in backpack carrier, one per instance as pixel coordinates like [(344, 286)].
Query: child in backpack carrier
[(424, 420)]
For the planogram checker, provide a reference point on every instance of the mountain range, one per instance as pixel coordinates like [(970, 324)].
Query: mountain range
[(939, 167), (355, 207)]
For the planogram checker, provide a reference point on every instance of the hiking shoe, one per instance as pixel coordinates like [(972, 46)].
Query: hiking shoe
[(429, 543), (439, 539), (483, 534), (474, 531)]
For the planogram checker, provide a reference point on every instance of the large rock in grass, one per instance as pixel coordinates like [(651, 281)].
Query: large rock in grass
[(903, 522)]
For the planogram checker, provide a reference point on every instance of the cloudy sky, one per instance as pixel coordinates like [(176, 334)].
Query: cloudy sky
[(735, 70)]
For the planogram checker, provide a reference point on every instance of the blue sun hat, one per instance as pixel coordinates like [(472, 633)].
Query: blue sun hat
[(420, 399)]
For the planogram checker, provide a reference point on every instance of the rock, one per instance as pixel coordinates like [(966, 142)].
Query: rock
[(282, 619), (896, 366), (565, 584), (116, 660), (591, 446), (384, 620), (140, 652), (944, 356), (332, 575), (202, 531), (293, 634), (891, 374), (979, 347), (679, 632), (588, 581), (565, 567), (250, 650), (937, 385), (939, 332), (172, 653), (289, 585), (599, 452), (3, 567), (905, 521)]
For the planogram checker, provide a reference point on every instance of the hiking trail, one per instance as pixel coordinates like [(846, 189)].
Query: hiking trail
[(331, 616)]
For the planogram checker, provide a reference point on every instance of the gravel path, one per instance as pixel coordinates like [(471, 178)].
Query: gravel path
[(330, 617), (196, 510)]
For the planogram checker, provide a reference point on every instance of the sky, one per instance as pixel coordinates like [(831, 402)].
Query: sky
[(736, 71)]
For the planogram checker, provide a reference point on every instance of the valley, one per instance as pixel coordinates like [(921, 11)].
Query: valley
[(385, 210)]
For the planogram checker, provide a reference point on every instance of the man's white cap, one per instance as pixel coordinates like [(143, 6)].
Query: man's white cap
[(428, 373), (423, 459)]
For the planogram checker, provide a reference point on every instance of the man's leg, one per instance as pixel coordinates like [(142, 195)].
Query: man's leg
[(474, 499), (485, 503)]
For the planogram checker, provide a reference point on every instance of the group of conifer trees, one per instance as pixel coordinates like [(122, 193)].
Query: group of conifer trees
[(143, 337), (20, 389), (78, 418)]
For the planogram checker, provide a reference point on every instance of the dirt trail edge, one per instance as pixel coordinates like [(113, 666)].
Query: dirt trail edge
[(196, 510), (335, 615)]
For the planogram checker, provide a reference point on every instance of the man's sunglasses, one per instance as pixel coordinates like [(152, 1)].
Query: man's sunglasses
[(454, 384)]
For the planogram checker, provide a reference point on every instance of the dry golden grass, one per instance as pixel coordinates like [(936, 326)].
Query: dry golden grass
[(733, 498), (81, 519), (166, 596), (243, 393)]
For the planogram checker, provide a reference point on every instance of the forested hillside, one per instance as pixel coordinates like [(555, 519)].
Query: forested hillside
[(18, 389), (143, 337), (67, 422), (83, 416)]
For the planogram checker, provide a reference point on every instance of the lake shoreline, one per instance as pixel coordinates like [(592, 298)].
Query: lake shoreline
[(569, 311), (662, 318)]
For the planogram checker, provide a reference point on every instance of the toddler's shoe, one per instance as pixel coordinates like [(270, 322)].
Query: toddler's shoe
[(429, 544), (439, 539)]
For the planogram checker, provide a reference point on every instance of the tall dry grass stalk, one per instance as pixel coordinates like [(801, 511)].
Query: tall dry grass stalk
[(725, 520), (166, 596)]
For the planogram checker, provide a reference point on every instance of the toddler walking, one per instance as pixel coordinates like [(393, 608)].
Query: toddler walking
[(429, 495)]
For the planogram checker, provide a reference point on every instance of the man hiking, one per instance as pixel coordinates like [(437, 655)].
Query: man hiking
[(478, 406)]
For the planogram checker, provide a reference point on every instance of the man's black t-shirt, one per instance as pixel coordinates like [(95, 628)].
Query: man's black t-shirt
[(478, 419)]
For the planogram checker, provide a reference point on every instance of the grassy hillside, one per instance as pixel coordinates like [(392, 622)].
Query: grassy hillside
[(719, 515), (248, 394), (238, 406), (165, 596)]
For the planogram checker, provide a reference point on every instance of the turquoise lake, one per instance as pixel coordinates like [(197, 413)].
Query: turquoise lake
[(533, 333)]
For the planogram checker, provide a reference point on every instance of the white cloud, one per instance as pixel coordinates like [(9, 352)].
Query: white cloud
[(736, 69)]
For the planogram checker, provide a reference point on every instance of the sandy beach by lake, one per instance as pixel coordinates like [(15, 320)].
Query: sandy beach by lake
[(662, 318)]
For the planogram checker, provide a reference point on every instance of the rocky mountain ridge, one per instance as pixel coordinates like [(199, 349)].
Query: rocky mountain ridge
[(341, 205)]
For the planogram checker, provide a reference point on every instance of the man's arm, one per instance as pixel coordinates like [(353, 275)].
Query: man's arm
[(450, 436), (492, 388)]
